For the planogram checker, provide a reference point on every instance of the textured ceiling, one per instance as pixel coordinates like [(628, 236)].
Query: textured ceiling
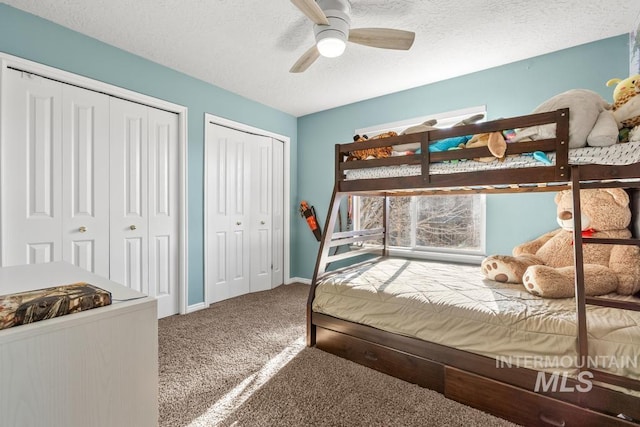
[(248, 46)]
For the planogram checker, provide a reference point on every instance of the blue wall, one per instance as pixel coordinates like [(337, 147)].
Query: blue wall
[(33, 38), (509, 90)]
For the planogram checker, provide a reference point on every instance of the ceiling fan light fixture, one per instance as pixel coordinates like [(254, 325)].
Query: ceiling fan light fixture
[(331, 47), (333, 30), (331, 39)]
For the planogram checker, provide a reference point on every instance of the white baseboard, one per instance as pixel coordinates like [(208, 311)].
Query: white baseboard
[(299, 280), (196, 307), (202, 305)]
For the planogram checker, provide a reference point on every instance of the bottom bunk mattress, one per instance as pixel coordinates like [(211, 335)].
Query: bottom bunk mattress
[(454, 305)]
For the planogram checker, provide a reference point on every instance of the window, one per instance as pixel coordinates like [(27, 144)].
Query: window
[(442, 227), (450, 227)]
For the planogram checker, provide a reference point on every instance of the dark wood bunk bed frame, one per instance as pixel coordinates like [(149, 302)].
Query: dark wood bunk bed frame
[(466, 377)]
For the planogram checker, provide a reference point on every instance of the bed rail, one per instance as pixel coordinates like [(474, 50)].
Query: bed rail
[(558, 172)]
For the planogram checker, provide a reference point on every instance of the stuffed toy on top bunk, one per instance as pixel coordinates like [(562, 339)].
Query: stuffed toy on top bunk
[(591, 120), (371, 153), (626, 106), (545, 265), (414, 147)]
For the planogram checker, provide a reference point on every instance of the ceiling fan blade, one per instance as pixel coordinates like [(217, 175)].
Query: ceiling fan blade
[(307, 58), (312, 10), (385, 38)]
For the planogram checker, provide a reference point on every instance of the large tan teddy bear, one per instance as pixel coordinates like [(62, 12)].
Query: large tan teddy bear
[(545, 265)]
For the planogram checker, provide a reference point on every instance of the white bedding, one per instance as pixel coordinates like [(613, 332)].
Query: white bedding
[(454, 305), (618, 154)]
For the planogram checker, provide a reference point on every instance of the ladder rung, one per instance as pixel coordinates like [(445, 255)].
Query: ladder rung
[(609, 302)]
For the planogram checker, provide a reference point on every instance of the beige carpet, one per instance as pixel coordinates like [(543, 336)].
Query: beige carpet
[(242, 362)]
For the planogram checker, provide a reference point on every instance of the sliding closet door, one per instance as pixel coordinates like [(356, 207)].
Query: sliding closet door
[(128, 212), (85, 179), (31, 170)]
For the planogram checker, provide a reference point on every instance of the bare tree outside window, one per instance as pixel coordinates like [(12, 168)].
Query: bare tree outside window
[(400, 221), (427, 223), (448, 222)]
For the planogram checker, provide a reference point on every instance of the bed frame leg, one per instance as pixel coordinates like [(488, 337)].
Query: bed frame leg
[(311, 329)]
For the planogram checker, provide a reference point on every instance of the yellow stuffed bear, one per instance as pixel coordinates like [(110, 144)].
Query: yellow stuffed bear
[(623, 86), (626, 105), (545, 265)]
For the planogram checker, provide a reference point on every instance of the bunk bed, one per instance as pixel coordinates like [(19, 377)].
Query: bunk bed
[(467, 362)]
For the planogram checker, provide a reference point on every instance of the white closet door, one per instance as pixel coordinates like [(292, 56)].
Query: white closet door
[(92, 180), (128, 189), (85, 179), (261, 215), (228, 216), (244, 213), (163, 210), (277, 254), (31, 162)]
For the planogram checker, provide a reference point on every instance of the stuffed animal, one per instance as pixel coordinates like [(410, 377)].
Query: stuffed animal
[(591, 122), (371, 153), (626, 105), (545, 265), (623, 85), (497, 144), (442, 144), (494, 141), (422, 127)]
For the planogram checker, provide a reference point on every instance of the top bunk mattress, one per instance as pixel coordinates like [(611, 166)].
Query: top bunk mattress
[(454, 305), (618, 154)]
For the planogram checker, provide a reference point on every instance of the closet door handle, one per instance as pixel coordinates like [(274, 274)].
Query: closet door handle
[(262, 222), (132, 227), (82, 229), (238, 223)]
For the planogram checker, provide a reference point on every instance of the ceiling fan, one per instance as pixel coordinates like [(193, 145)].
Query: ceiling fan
[(332, 30)]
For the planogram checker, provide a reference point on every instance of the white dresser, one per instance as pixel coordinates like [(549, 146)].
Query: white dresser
[(94, 368)]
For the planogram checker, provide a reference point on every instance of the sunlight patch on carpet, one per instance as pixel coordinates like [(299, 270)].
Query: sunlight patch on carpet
[(231, 401)]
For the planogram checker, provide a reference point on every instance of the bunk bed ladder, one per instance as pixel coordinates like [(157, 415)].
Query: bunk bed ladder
[(333, 240), (581, 299)]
